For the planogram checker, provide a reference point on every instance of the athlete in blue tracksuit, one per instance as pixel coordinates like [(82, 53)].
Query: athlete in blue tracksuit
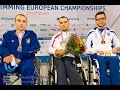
[(23, 49), (101, 41)]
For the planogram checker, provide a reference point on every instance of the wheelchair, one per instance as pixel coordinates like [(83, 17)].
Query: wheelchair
[(93, 73), (52, 74), (13, 78), (44, 68)]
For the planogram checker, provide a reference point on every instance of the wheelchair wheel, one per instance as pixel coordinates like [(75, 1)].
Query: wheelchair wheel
[(81, 70), (49, 82), (52, 74), (83, 75), (37, 68), (93, 74)]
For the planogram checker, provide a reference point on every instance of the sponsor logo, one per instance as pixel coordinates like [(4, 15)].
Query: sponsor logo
[(90, 18), (32, 25), (50, 34), (7, 18), (12, 25), (43, 30)]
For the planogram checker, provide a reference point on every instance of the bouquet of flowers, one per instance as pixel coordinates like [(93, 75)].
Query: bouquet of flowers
[(75, 45)]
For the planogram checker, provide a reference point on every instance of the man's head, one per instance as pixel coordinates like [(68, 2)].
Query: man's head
[(64, 23), (100, 18), (20, 22)]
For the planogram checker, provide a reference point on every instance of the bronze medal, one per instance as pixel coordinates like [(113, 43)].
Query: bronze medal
[(102, 36), (103, 42)]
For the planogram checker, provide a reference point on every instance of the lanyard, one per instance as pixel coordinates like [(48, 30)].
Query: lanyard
[(20, 39), (67, 34), (20, 36)]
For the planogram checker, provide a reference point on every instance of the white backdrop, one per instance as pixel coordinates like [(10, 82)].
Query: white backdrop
[(43, 19)]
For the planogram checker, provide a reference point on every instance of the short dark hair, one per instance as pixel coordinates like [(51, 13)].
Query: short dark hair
[(63, 17), (20, 15), (98, 13)]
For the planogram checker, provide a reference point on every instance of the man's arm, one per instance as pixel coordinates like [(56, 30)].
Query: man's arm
[(35, 46), (4, 52), (89, 43), (52, 48), (4, 47), (116, 44)]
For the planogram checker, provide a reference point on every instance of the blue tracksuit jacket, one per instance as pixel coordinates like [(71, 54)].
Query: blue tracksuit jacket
[(30, 44)]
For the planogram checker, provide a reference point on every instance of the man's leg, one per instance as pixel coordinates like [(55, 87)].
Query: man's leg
[(27, 70), (114, 70), (72, 73), (61, 74), (104, 79)]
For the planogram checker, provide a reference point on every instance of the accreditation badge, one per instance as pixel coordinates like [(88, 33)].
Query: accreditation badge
[(28, 40)]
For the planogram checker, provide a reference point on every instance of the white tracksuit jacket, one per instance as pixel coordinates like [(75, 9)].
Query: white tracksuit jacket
[(94, 39), (56, 40)]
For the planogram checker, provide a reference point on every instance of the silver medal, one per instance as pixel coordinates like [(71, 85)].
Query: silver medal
[(19, 48)]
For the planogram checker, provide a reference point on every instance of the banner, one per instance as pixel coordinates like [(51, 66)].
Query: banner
[(43, 19)]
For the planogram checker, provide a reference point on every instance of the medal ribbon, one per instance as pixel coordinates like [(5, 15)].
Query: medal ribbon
[(63, 38), (20, 39), (102, 35)]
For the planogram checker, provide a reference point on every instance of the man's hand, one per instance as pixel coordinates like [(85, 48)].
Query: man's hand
[(100, 52), (59, 52), (17, 61), (114, 50), (8, 59)]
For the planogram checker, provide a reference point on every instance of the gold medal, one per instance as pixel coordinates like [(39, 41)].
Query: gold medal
[(19, 48)]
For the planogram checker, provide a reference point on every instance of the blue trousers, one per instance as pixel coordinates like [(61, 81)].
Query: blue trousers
[(66, 69), (111, 63), (26, 69)]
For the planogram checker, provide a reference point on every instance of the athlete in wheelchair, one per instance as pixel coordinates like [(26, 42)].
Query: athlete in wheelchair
[(21, 45), (103, 43), (77, 63), (13, 75), (63, 60)]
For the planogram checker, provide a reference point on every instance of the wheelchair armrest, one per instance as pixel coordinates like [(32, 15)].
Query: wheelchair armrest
[(118, 53), (52, 56)]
